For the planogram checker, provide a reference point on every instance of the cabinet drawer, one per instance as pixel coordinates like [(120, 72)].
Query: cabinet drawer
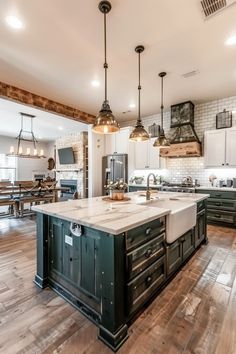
[(221, 204), (219, 194), (144, 233), (221, 216), (201, 205), (144, 285), (174, 255), (143, 256)]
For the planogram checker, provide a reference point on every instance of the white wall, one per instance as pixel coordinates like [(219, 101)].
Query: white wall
[(96, 144), (204, 119), (26, 167)]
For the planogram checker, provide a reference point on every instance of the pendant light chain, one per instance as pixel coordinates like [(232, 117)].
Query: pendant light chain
[(162, 106)]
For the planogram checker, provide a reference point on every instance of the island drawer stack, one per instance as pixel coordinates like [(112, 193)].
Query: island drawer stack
[(221, 206), (145, 262)]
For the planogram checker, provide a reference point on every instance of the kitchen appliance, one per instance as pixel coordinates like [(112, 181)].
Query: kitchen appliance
[(178, 187), (229, 182), (234, 182), (114, 167)]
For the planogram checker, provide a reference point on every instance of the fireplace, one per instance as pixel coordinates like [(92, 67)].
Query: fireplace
[(71, 184)]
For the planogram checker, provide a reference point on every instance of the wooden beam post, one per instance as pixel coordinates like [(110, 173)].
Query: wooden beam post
[(22, 96)]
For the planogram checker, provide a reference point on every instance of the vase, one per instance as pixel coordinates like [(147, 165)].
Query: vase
[(117, 194)]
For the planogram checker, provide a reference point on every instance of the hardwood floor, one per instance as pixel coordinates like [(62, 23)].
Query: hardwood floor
[(196, 312)]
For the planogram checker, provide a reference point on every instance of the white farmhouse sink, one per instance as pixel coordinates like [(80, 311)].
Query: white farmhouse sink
[(182, 217)]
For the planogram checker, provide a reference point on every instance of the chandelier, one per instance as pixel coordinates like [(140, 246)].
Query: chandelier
[(26, 135)]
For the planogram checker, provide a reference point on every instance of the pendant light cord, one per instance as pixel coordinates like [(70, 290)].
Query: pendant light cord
[(105, 54), (139, 89), (162, 106)]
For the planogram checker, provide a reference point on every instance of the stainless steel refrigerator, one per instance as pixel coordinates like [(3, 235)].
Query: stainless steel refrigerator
[(114, 167)]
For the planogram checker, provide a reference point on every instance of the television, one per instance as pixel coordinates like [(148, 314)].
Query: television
[(66, 156)]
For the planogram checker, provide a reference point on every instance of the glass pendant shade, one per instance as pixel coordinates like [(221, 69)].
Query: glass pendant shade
[(161, 140), (139, 133), (105, 122)]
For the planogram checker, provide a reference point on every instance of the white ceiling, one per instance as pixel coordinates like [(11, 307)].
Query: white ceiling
[(46, 126), (60, 51)]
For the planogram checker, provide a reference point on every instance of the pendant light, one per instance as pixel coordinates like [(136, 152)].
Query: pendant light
[(105, 122), (161, 140), (26, 135), (139, 133)]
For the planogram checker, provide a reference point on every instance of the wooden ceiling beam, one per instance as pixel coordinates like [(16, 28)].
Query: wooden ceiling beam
[(22, 96)]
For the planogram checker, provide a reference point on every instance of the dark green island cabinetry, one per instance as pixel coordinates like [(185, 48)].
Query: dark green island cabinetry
[(110, 277)]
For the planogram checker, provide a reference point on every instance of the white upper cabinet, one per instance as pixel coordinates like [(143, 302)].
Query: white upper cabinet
[(220, 147), (230, 147), (118, 143), (147, 156)]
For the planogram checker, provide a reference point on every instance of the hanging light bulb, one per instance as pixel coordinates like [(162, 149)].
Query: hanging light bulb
[(161, 140), (35, 152), (105, 122), (20, 150), (139, 133), (12, 150), (28, 151)]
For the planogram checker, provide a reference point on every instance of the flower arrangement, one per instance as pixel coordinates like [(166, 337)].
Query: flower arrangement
[(119, 185)]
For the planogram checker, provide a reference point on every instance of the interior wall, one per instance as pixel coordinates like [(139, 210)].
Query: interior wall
[(204, 119), (26, 167)]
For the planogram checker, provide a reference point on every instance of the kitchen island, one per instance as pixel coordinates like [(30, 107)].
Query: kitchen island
[(109, 258)]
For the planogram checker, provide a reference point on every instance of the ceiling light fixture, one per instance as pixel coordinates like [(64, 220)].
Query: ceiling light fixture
[(26, 135), (14, 22), (231, 41), (139, 133), (105, 122), (161, 140), (95, 83), (60, 128), (132, 105)]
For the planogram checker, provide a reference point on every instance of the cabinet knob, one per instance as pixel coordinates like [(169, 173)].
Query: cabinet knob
[(148, 231), (223, 164), (148, 253), (227, 164), (148, 280)]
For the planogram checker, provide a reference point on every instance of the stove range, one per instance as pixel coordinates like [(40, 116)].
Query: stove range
[(178, 187)]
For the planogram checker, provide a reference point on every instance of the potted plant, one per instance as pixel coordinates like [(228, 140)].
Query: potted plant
[(117, 189), (138, 179)]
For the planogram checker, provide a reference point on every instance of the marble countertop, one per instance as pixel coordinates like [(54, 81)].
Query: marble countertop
[(227, 189), (113, 217)]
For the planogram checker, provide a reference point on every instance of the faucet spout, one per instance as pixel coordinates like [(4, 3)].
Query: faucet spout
[(148, 193)]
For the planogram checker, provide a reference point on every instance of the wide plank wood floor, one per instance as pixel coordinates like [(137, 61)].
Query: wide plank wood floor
[(196, 312)]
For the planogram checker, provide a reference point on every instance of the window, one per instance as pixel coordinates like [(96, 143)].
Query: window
[(7, 167)]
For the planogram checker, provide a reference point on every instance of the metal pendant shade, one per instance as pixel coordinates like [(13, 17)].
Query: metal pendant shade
[(105, 122), (161, 140), (139, 133)]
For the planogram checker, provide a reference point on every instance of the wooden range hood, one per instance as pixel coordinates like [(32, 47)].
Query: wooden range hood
[(191, 149)]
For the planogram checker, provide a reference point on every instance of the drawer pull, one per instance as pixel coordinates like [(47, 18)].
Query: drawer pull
[(148, 231), (148, 253), (148, 280), (217, 215), (218, 195), (218, 204)]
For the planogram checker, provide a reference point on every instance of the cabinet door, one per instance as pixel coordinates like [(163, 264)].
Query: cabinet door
[(154, 159), (188, 244), (231, 147), (122, 141), (174, 256), (141, 155), (200, 228), (55, 247), (214, 148)]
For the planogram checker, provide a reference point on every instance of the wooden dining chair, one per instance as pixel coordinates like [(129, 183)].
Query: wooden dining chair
[(6, 199)]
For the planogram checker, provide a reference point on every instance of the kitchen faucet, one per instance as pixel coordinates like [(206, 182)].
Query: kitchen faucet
[(148, 193)]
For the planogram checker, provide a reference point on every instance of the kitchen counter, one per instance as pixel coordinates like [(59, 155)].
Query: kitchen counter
[(227, 189), (114, 217)]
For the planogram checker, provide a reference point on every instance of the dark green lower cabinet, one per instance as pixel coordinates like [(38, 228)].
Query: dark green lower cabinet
[(200, 229), (174, 256), (188, 241)]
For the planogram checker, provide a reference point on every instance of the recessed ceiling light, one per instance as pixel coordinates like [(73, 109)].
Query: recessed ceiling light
[(95, 83), (40, 137), (60, 128), (132, 105), (14, 22), (231, 41)]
